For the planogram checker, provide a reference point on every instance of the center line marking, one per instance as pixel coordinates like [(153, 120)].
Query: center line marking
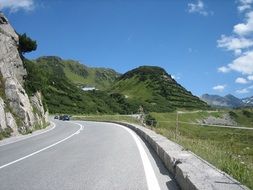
[(34, 153)]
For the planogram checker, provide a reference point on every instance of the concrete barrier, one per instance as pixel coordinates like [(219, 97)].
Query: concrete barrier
[(190, 171)]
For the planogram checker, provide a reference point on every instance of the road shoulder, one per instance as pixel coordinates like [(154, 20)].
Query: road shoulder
[(21, 137)]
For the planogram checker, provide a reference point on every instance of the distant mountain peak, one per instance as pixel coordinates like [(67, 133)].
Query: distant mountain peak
[(230, 96), (248, 101), (227, 101)]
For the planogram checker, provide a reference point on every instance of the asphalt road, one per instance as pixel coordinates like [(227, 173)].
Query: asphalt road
[(82, 155)]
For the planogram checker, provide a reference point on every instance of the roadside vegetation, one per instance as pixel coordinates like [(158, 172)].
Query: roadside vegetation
[(230, 150), (244, 117), (5, 133)]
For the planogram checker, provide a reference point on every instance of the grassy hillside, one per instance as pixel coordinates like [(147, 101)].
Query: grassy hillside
[(81, 75), (61, 81), (244, 117), (156, 90), (62, 96)]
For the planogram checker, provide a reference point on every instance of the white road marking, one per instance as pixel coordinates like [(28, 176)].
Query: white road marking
[(24, 137), (151, 179), (50, 146)]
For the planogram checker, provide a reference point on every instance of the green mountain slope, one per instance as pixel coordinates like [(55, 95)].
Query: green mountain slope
[(81, 75), (61, 95), (60, 82), (156, 90)]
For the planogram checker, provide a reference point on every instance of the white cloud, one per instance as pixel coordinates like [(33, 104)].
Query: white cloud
[(250, 77), (244, 5), (235, 44), (246, 28), (242, 91), (15, 5), (219, 88), (240, 42), (224, 69), (197, 7), (243, 64), (245, 90), (241, 80)]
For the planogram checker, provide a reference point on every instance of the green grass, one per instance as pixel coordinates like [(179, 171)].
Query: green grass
[(231, 150), (244, 117), (187, 117), (77, 79), (140, 90), (81, 75)]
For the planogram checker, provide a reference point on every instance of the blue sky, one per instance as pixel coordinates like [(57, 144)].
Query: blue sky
[(207, 45)]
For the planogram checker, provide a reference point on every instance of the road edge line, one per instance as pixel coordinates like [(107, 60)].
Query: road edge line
[(43, 149), (151, 178)]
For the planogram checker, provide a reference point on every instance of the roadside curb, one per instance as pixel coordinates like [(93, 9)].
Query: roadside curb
[(20, 137), (190, 171)]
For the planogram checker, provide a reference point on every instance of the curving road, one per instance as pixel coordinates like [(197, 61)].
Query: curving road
[(82, 155)]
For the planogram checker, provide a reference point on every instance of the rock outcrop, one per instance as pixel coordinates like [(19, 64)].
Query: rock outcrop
[(18, 112), (225, 120)]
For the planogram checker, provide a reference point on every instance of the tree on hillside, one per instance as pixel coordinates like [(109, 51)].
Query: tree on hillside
[(26, 44)]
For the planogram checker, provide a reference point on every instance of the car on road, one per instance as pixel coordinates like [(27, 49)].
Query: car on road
[(56, 117), (66, 118)]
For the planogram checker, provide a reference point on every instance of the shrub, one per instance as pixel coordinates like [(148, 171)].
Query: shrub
[(246, 113), (150, 120), (232, 114), (5, 133), (26, 44)]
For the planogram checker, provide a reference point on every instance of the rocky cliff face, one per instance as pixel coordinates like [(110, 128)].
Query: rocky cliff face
[(18, 112)]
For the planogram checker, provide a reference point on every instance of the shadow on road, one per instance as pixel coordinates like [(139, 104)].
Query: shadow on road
[(172, 184)]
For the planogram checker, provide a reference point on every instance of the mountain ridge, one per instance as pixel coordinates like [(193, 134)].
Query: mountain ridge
[(148, 86), (229, 101)]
